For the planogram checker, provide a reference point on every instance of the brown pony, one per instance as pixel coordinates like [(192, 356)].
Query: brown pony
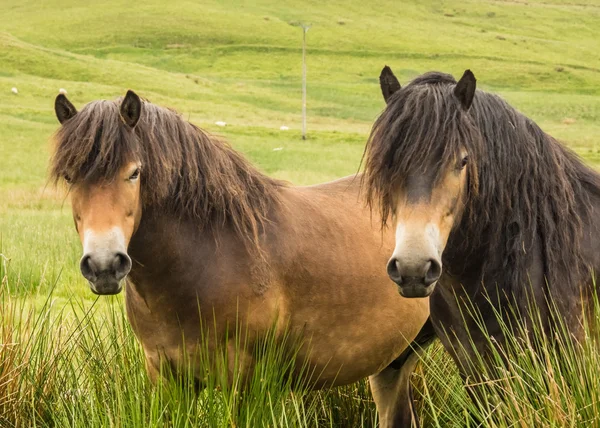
[(203, 238), (486, 205)]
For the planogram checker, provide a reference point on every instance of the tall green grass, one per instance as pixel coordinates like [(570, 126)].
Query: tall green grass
[(69, 365), (74, 364), (538, 378)]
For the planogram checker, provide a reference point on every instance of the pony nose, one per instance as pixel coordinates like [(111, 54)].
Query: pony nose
[(393, 270), (427, 273), (88, 268), (116, 266), (122, 265), (433, 271)]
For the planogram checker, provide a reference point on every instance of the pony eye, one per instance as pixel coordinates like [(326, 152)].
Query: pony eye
[(135, 174), (67, 178), (463, 162)]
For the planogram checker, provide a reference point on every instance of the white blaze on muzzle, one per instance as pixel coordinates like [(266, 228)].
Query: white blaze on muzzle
[(103, 246), (413, 246), (105, 261)]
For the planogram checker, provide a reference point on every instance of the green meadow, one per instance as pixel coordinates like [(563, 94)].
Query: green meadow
[(240, 63)]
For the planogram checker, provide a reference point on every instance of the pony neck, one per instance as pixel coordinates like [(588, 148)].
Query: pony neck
[(215, 186)]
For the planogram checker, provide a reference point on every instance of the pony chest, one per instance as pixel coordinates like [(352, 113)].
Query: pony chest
[(159, 321)]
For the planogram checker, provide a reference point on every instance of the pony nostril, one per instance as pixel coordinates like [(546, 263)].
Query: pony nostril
[(393, 271), (121, 265), (88, 269), (433, 271)]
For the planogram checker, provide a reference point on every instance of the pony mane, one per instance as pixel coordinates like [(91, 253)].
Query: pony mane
[(523, 185), (185, 171)]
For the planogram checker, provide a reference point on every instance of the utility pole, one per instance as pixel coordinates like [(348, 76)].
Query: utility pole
[(305, 29)]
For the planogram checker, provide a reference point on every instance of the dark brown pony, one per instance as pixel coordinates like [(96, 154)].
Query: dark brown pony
[(486, 205), (203, 238)]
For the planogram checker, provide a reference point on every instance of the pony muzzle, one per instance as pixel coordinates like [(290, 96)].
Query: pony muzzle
[(105, 262), (415, 279), (416, 265), (105, 274)]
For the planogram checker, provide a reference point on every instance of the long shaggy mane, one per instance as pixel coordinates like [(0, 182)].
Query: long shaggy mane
[(523, 185), (185, 171)]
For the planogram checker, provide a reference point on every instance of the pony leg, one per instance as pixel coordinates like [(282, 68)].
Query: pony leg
[(152, 367), (391, 388), (392, 393)]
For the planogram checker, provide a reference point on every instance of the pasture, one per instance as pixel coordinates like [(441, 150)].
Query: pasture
[(68, 358)]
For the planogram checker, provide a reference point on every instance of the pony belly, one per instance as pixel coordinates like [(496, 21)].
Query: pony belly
[(194, 363), (339, 354)]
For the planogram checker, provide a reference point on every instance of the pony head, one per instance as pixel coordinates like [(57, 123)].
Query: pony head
[(418, 171)]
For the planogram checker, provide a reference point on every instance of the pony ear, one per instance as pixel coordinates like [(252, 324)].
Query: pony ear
[(63, 108), (465, 89), (388, 82), (131, 109)]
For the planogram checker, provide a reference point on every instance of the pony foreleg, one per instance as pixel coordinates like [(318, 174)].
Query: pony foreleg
[(392, 393), (391, 388), (152, 363)]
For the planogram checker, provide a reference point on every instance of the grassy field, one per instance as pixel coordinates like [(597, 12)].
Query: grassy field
[(240, 62)]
